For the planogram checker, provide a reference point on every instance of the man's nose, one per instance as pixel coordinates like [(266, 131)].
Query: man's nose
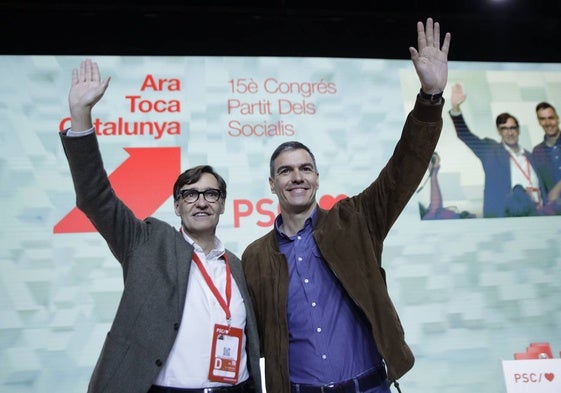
[(201, 201), (296, 176)]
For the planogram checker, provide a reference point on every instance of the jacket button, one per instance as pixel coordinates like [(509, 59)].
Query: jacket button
[(158, 363), (176, 326)]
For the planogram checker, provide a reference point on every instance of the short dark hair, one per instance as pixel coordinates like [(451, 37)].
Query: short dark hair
[(519, 204), (503, 117), (545, 105), (192, 175), (290, 145)]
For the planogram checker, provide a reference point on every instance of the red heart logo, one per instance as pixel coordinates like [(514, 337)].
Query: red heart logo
[(549, 376), (327, 201)]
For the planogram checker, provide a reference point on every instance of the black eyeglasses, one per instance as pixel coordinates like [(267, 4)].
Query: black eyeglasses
[(191, 195), (508, 128)]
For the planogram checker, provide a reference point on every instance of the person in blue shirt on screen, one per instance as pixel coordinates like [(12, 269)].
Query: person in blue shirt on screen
[(547, 154)]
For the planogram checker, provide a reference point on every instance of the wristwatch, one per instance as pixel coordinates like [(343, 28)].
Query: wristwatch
[(433, 98)]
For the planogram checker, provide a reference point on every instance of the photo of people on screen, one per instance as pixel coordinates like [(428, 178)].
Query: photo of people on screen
[(517, 181)]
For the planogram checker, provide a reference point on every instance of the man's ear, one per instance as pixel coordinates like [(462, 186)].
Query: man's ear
[(176, 208), (271, 184)]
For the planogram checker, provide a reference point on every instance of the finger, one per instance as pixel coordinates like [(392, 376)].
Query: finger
[(437, 35), (105, 83), (446, 43), (95, 72), (88, 71), (429, 32), (414, 54), (74, 76), (82, 71), (421, 38)]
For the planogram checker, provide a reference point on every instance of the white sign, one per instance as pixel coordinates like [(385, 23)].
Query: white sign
[(532, 376)]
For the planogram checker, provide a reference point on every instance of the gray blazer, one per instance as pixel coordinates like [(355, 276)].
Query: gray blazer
[(155, 259)]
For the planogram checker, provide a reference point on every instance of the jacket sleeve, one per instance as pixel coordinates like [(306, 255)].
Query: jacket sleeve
[(384, 200), (472, 141), (96, 198)]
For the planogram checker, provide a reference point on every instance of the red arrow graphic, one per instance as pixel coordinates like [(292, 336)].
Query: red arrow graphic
[(143, 182)]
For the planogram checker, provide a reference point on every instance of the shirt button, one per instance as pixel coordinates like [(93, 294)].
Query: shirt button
[(306, 280), (324, 357), (313, 304), (300, 259), (318, 330)]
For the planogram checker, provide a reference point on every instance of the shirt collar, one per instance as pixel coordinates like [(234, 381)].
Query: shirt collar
[(217, 250), (520, 151), (310, 223)]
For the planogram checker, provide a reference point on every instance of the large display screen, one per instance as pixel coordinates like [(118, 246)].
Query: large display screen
[(470, 292)]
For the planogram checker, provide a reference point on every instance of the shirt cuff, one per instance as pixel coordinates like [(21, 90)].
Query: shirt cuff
[(79, 133)]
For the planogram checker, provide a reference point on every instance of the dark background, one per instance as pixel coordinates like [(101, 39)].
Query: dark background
[(482, 30)]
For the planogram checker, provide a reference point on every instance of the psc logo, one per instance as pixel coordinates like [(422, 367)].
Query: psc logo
[(264, 210), (533, 377)]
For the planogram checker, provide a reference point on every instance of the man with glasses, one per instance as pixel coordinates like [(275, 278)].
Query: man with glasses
[(505, 164), (185, 323)]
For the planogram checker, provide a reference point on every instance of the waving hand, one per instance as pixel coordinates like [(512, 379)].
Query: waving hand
[(86, 90), (431, 60)]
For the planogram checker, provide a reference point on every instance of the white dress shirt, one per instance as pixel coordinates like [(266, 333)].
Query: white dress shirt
[(188, 363)]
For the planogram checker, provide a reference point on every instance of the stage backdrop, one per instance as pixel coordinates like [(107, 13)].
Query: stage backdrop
[(470, 292)]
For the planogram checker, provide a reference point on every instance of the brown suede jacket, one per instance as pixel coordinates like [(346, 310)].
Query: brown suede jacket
[(350, 238)]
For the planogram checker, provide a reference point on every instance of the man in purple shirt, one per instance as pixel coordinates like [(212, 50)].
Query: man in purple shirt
[(325, 318), (547, 154)]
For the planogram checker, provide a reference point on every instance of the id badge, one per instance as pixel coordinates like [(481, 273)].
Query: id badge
[(534, 194), (225, 354)]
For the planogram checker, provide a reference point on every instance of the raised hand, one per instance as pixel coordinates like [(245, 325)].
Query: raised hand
[(431, 60), (86, 90), (457, 97), (434, 164)]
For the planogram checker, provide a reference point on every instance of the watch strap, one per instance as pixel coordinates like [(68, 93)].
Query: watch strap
[(434, 98)]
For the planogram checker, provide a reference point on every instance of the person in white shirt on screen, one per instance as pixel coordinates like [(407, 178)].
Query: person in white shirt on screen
[(185, 303), (326, 321), (505, 163)]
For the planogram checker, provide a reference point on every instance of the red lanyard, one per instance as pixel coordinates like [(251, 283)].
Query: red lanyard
[(526, 174), (225, 304)]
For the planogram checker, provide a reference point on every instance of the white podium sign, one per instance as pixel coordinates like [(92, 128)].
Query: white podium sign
[(532, 376)]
